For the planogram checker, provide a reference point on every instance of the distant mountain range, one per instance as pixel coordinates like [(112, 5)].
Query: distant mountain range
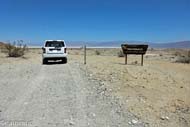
[(180, 44)]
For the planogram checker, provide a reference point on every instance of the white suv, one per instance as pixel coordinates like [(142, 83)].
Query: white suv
[(54, 50)]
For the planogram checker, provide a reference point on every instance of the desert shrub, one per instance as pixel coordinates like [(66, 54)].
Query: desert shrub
[(177, 53), (76, 53), (151, 49), (17, 49), (2, 47), (97, 52), (182, 56), (182, 59), (188, 53), (120, 54), (134, 62)]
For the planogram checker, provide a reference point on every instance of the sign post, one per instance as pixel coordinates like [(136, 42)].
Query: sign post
[(134, 49), (84, 54)]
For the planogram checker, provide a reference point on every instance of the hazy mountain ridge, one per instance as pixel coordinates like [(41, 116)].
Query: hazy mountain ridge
[(180, 44)]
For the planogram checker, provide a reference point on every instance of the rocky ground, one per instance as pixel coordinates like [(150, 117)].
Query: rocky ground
[(157, 93)]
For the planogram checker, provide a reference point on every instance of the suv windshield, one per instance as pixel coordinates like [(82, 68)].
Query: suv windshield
[(55, 44)]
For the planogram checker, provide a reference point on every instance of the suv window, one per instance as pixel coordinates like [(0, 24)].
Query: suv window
[(54, 44)]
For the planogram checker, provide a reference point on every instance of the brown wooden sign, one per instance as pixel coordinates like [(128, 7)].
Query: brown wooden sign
[(134, 49)]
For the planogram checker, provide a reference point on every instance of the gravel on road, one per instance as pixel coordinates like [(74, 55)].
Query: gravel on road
[(60, 95)]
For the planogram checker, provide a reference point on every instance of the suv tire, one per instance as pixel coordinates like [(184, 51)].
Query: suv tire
[(64, 60), (44, 61)]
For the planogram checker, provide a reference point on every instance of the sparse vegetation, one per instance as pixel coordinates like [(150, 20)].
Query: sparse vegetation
[(134, 62), (131, 83), (182, 56), (120, 54), (97, 52), (177, 53), (188, 54), (151, 49), (17, 49), (182, 59)]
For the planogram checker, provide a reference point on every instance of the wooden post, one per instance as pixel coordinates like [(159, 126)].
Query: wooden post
[(84, 54), (125, 58), (142, 60)]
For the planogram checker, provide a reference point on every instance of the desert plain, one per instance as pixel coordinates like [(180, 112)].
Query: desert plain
[(104, 92)]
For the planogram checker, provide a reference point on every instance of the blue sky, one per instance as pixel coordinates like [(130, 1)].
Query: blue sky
[(95, 20)]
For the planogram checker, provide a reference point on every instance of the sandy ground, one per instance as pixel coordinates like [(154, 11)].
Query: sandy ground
[(103, 93), (157, 93), (57, 95)]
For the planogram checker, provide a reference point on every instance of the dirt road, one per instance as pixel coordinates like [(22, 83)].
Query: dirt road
[(58, 95)]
